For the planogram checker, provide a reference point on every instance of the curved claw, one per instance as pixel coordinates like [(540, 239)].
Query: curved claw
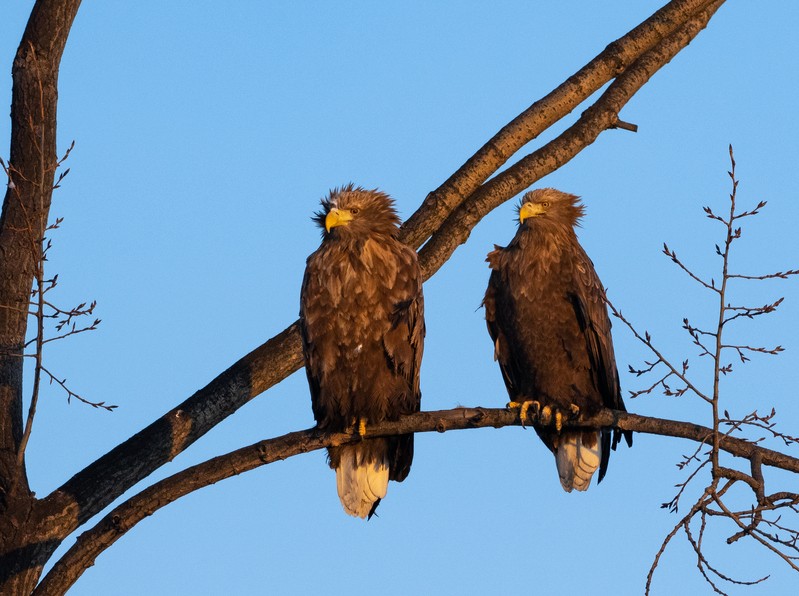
[(524, 406), (523, 412), (546, 415)]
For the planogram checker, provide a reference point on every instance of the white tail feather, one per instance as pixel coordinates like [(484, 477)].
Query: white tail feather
[(360, 483), (577, 462)]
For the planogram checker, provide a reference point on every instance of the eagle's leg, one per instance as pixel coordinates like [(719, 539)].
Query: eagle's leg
[(362, 426), (556, 416), (523, 407), (545, 416)]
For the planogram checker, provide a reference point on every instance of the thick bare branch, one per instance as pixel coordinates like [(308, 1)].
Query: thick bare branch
[(601, 116), (95, 487), (92, 542), (611, 62)]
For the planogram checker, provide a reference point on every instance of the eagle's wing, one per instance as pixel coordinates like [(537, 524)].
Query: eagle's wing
[(495, 303), (310, 350), (588, 301), (403, 344)]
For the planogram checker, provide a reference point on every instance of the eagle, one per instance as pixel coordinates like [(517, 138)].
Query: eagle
[(546, 314), (362, 326)]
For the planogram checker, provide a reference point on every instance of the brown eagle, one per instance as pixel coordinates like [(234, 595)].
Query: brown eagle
[(545, 310), (362, 323)]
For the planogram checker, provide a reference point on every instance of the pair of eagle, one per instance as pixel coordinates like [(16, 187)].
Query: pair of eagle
[(362, 323)]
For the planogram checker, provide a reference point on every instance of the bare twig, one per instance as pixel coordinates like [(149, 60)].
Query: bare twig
[(731, 515), (646, 339), (71, 394), (673, 256)]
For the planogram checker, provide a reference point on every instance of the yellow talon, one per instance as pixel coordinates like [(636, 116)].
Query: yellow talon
[(524, 406), (546, 415), (558, 420), (362, 426), (523, 411), (575, 410)]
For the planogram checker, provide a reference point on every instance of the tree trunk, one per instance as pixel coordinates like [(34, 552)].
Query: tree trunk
[(31, 172)]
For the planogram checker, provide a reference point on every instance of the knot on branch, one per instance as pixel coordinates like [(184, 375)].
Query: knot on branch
[(478, 416), (262, 452)]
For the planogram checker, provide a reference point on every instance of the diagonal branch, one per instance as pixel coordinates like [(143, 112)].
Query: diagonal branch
[(101, 482), (116, 523), (601, 116), (611, 62)]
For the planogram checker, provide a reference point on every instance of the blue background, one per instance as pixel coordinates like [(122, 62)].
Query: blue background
[(205, 136)]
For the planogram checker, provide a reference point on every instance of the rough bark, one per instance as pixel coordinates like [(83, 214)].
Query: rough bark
[(599, 117), (31, 171), (610, 63)]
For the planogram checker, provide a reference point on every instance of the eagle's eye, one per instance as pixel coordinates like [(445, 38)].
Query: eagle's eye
[(545, 204), (354, 210)]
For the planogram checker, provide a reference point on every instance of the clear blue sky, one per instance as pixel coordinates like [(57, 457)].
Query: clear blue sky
[(205, 136)]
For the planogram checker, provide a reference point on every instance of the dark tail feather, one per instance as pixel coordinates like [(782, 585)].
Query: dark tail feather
[(606, 446), (617, 435), (400, 457), (373, 510)]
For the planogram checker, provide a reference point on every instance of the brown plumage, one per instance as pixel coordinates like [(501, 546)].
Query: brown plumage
[(362, 323), (546, 312)]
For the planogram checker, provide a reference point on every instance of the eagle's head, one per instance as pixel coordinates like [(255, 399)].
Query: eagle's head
[(547, 205), (352, 211)]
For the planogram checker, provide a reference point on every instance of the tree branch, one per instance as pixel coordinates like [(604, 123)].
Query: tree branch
[(614, 60), (602, 115), (124, 517), (101, 482)]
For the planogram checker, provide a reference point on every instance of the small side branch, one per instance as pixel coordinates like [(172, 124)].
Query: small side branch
[(70, 394), (673, 256), (621, 124), (646, 339)]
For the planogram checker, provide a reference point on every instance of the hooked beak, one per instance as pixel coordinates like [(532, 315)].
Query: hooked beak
[(530, 210), (337, 217)]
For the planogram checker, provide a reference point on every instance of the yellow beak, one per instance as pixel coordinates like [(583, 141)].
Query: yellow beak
[(337, 217), (530, 210)]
